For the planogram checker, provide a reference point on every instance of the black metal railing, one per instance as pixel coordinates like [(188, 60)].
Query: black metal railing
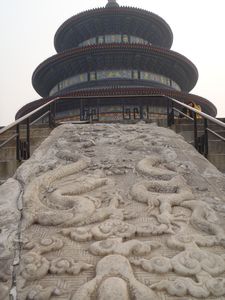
[(174, 108), (201, 143), (23, 145)]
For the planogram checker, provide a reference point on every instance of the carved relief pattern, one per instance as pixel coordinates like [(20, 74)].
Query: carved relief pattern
[(9, 226), (120, 217)]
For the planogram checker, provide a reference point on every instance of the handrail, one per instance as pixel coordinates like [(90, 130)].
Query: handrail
[(200, 142), (20, 120), (216, 134), (8, 140), (4, 129), (202, 114), (183, 114), (24, 146), (39, 118)]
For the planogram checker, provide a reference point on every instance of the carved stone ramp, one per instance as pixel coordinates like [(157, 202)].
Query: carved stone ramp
[(116, 212)]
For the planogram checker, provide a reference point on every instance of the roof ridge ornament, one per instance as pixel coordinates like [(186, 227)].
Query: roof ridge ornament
[(112, 3)]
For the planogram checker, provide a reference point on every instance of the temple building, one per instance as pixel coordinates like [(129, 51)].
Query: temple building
[(115, 63)]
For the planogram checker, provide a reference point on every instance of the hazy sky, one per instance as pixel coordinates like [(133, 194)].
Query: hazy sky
[(27, 29)]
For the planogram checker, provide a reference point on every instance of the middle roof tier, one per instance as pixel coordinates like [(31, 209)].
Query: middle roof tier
[(139, 57)]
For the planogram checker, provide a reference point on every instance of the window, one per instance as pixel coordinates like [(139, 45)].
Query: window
[(125, 38), (85, 43), (92, 76), (108, 39), (92, 41), (113, 38), (61, 85), (126, 74), (101, 39), (54, 90), (175, 85), (135, 74), (133, 39), (113, 74), (82, 77), (144, 76), (100, 75), (116, 38), (137, 40)]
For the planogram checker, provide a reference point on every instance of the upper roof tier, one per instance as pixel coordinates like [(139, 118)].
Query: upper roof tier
[(113, 19)]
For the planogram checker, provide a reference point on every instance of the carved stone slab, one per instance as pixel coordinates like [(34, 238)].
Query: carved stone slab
[(114, 212), (10, 193)]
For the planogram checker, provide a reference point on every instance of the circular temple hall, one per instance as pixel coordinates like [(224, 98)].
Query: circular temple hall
[(112, 64)]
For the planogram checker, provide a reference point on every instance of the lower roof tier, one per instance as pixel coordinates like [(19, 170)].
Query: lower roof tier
[(114, 57), (111, 93)]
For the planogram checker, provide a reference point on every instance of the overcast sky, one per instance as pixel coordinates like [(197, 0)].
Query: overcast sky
[(27, 29)]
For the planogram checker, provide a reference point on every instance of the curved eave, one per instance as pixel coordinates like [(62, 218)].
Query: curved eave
[(106, 56), (96, 21), (207, 106)]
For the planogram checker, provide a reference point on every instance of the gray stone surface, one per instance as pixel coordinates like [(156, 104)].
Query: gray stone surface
[(10, 193), (114, 212)]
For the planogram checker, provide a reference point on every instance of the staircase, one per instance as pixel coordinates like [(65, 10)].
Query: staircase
[(216, 146), (8, 162)]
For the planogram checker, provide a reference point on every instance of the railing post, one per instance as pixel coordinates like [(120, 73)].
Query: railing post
[(98, 109), (195, 131), (141, 112), (206, 142), (50, 116), (90, 115), (81, 110), (147, 109), (170, 113), (28, 138), (52, 113), (18, 142)]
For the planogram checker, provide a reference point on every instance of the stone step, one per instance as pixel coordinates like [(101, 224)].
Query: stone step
[(8, 162), (181, 128), (34, 131), (217, 147), (220, 132), (8, 153), (190, 127), (189, 135), (8, 168), (35, 137), (218, 160), (200, 121), (34, 142)]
